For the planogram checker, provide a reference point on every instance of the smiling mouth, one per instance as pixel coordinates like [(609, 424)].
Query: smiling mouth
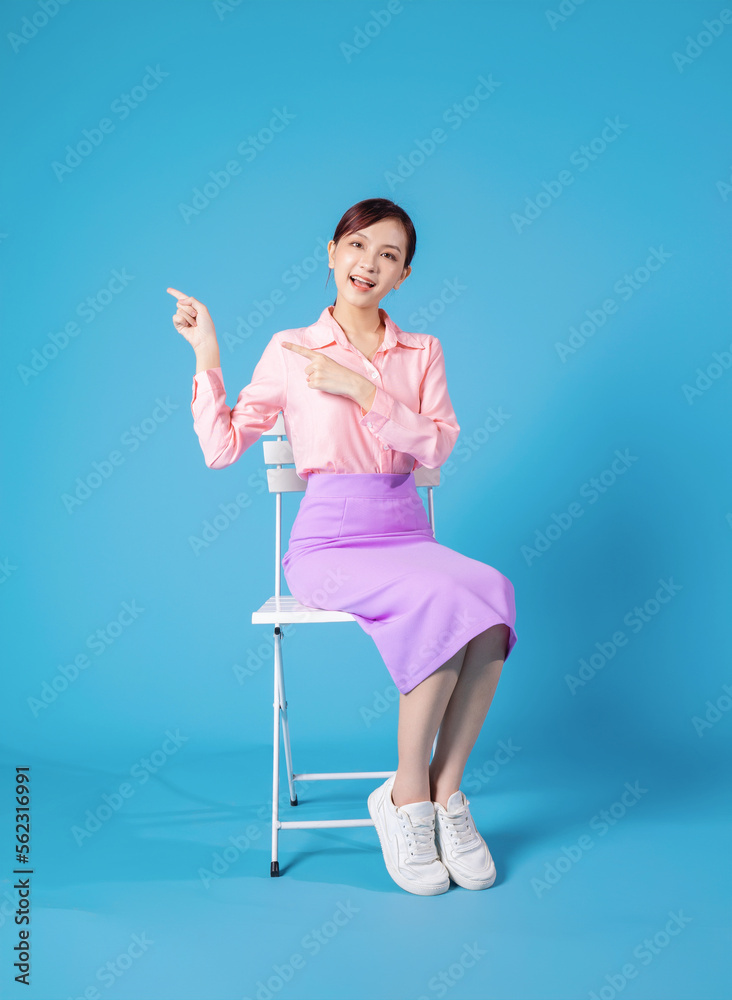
[(361, 282)]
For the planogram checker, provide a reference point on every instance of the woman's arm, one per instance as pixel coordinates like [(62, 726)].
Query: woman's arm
[(429, 435), (225, 433)]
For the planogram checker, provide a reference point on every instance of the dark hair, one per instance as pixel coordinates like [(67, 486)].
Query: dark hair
[(366, 213)]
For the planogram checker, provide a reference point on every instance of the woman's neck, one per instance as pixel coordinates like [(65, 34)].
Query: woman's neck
[(361, 326), (367, 343)]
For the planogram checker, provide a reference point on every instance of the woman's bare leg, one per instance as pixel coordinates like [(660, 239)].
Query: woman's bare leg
[(420, 712), (466, 710)]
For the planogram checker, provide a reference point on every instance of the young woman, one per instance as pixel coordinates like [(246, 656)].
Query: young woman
[(365, 404)]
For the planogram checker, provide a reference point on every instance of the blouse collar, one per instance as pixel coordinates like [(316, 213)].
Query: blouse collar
[(327, 330)]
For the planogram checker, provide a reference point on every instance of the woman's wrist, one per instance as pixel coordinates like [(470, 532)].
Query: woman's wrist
[(207, 356), (364, 393)]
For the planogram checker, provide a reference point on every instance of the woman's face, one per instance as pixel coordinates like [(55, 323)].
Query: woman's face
[(376, 253)]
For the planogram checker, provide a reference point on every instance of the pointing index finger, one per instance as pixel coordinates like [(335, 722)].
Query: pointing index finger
[(305, 351)]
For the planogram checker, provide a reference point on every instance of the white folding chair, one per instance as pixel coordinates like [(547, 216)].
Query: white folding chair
[(284, 609)]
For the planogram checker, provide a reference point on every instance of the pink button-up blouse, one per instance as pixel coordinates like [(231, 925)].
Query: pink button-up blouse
[(411, 421)]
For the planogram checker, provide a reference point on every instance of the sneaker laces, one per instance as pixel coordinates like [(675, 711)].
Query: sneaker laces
[(461, 829), (420, 834)]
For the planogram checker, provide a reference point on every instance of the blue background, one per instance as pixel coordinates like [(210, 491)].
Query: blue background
[(191, 662)]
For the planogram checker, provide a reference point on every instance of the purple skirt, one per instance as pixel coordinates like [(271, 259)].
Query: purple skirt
[(362, 543)]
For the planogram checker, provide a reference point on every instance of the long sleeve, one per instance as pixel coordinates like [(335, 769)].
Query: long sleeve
[(430, 435), (224, 433)]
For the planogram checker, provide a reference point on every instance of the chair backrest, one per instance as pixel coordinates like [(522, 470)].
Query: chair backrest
[(278, 453)]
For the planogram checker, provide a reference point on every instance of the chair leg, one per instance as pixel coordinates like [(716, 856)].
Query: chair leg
[(275, 865), (283, 709)]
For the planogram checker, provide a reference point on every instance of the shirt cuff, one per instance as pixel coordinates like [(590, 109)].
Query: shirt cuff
[(380, 411), (208, 380)]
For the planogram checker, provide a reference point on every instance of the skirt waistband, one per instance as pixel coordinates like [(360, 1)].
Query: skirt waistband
[(361, 484)]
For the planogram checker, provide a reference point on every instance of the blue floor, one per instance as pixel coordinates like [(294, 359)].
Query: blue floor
[(173, 889)]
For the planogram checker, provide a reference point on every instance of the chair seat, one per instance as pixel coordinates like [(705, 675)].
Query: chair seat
[(285, 609)]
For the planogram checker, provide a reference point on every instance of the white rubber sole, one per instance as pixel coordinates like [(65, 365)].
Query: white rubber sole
[(468, 883), (464, 880), (373, 802)]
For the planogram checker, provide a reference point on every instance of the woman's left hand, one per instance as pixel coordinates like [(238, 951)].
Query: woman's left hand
[(327, 375)]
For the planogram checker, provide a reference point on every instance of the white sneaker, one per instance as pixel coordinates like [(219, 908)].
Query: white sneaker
[(461, 848), (407, 836)]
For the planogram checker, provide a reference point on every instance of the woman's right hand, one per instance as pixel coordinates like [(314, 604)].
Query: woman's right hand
[(193, 321)]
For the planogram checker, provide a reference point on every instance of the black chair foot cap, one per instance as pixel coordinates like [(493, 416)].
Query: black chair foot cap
[(274, 870), (293, 802)]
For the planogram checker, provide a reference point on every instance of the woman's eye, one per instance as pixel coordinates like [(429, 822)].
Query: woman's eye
[(356, 243)]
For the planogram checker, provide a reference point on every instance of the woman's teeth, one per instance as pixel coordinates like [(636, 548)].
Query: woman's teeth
[(360, 284)]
